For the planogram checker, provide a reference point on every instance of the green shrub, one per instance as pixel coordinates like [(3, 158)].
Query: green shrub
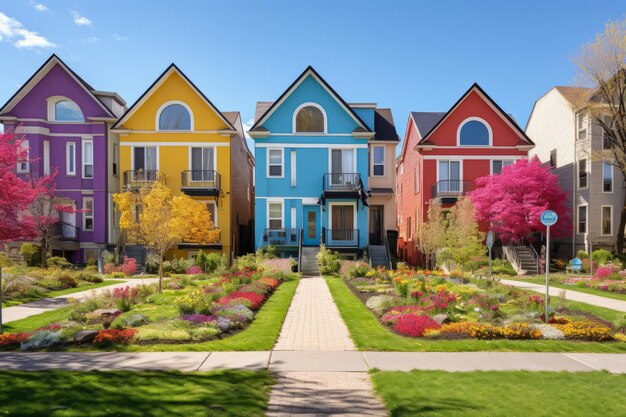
[(601, 256), (91, 268), (502, 267), (203, 333), (329, 261), (117, 275), (58, 262), (41, 340), (149, 335), (31, 253), (66, 279), (244, 262), (5, 261), (92, 261), (88, 276), (581, 254)]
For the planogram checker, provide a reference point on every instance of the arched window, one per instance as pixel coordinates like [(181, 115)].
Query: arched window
[(310, 119), (474, 132), (67, 111), (175, 117)]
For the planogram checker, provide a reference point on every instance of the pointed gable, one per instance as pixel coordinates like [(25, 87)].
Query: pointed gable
[(309, 87), (54, 79), (173, 86)]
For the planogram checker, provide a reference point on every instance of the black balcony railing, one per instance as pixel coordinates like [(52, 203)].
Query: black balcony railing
[(142, 178), (345, 181), (66, 231), (217, 242), (281, 237), (341, 237), (451, 188), (200, 179)]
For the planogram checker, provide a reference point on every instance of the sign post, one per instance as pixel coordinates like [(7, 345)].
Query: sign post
[(548, 218), (489, 246)]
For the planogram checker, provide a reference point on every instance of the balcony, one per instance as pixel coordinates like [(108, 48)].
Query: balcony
[(200, 183), (136, 179), (340, 238), (281, 237), (449, 191), (66, 232), (342, 185)]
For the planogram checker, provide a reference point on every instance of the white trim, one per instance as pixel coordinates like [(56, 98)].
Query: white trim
[(305, 200), (502, 160), (372, 173), (341, 203), (602, 219), (167, 104), (585, 127), (85, 216), (310, 145), (265, 134), (294, 168), (200, 144), (295, 115), (293, 218), (223, 132), (83, 148), (282, 163), (51, 103), (586, 219), (23, 167), (46, 157), (282, 214), (474, 119), (432, 146), (68, 157), (604, 161), (474, 157)]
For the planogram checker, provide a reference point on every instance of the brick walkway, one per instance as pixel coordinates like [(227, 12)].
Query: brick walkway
[(313, 323)]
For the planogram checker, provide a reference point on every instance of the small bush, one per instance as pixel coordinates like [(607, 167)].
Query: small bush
[(149, 335), (5, 261), (129, 267), (414, 326), (31, 254), (586, 330), (484, 331), (379, 303), (601, 256), (42, 340), (194, 270), (520, 331), (502, 267), (92, 261), (203, 333), (329, 261), (13, 339), (117, 274), (246, 263), (88, 276), (581, 254), (58, 262)]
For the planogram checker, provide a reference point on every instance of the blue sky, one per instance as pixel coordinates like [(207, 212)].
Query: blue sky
[(407, 55)]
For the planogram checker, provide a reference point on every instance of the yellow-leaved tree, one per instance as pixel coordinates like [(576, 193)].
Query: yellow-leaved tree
[(157, 219)]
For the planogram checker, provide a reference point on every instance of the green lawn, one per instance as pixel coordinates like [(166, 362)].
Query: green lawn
[(368, 334), (67, 291), (542, 280), (63, 393), (260, 335), (501, 394)]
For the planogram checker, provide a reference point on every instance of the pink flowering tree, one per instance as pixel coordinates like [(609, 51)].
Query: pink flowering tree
[(513, 200)]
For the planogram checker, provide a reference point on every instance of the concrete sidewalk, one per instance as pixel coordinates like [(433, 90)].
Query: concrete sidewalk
[(43, 305), (571, 295), (315, 361)]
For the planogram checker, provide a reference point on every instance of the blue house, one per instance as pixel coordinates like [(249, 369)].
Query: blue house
[(312, 164)]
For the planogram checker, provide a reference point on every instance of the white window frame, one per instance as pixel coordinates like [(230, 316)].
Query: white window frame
[(83, 153), (202, 147), (578, 232), (581, 126), (474, 119), (85, 216), (282, 163), (604, 162), (578, 174), (602, 207), (163, 107), (383, 163), (282, 213), (502, 160), (338, 203), (460, 161), (23, 167), (70, 155), (51, 107), (295, 115)]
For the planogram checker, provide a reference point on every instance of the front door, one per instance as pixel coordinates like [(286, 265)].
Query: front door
[(311, 225), (376, 224)]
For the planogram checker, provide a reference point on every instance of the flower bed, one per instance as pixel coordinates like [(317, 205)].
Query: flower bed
[(422, 303)]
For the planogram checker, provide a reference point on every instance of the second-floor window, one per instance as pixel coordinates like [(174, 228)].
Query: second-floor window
[(275, 163), (378, 161), (607, 220), (497, 165), (581, 125), (582, 173), (607, 177), (87, 214), (145, 158), (70, 158), (449, 176), (553, 160), (202, 164), (175, 116), (87, 159), (310, 119), (582, 219), (23, 166), (275, 215), (67, 111)]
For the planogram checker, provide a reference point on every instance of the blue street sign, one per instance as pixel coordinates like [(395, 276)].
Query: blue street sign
[(549, 218)]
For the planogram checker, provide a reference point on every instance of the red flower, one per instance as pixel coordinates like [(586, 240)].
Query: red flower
[(255, 299), (111, 336), (414, 326)]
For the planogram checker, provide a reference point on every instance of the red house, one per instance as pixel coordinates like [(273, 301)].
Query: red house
[(443, 154)]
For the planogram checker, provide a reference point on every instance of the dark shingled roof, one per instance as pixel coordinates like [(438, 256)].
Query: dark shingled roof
[(425, 121), (384, 127)]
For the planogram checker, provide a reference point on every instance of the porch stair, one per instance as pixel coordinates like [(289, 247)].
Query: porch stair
[(378, 256), (309, 263), (522, 258)]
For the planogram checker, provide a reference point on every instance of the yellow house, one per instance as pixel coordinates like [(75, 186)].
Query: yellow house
[(174, 134)]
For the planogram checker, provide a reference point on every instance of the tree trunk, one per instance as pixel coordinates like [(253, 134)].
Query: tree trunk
[(620, 230), (44, 251), (161, 274)]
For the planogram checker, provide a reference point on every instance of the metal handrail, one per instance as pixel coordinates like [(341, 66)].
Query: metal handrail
[(533, 253), (341, 181), (342, 237), (194, 178), (281, 237), (300, 239), (451, 187), (142, 178)]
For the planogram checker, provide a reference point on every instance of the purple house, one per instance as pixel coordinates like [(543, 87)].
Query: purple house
[(66, 123)]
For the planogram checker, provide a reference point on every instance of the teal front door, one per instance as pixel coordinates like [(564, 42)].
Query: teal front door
[(311, 225)]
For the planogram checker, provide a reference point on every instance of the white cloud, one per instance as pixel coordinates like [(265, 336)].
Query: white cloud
[(40, 7), (93, 39), (13, 31), (119, 37), (81, 20), (246, 126)]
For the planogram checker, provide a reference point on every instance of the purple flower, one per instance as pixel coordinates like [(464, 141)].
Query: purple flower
[(223, 323), (198, 318)]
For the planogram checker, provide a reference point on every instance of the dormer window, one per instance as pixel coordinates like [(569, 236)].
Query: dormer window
[(174, 116), (474, 132), (61, 109), (310, 118)]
